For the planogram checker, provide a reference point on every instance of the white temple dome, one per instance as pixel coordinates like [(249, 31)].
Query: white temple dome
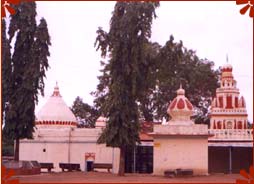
[(180, 109), (56, 112)]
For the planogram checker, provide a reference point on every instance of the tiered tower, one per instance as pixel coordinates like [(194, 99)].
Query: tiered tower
[(228, 111)]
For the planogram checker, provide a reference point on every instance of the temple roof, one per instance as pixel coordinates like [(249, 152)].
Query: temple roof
[(180, 109), (55, 109)]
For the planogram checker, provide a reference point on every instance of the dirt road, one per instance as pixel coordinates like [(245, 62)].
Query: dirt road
[(103, 177)]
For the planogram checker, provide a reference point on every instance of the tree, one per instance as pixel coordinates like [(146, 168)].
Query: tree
[(7, 146), (130, 29), (28, 65), (168, 66), (149, 74), (85, 113), (101, 93), (176, 64), (6, 68)]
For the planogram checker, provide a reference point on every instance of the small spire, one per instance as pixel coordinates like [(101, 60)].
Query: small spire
[(227, 58), (180, 91), (56, 91)]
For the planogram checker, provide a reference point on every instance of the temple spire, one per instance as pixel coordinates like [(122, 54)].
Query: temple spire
[(180, 91), (56, 91)]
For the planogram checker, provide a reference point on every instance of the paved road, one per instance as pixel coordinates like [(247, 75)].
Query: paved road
[(100, 177)]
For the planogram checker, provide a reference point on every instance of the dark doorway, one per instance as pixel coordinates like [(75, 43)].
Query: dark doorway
[(242, 158), (218, 159), (89, 166), (143, 160)]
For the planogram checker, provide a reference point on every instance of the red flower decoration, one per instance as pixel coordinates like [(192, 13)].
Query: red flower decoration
[(6, 6), (246, 7), (249, 177), (6, 176)]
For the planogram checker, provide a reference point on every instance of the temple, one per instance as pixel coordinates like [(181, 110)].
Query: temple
[(226, 146), (57, 139), (231, 146), (228, 109), (180, 144)]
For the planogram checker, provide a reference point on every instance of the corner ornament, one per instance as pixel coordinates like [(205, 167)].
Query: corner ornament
[(249, 177), (249, 5), (6, 6), (6, 176)]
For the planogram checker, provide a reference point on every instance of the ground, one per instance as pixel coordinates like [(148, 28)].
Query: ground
[(99, 177)]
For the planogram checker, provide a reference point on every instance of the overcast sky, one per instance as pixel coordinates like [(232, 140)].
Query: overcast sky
[(213, 29)]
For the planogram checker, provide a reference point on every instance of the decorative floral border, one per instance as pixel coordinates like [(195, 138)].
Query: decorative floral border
[(6, 6), (248, 6), (249, 177), (6, 176)]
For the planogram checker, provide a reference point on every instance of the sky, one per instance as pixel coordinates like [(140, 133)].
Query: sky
[(212, 29)]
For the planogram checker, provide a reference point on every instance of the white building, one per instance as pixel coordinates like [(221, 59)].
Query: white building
[(180, 144), (57, 140)]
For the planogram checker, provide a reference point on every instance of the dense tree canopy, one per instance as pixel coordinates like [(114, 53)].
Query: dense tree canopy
[(86, 114), (176, 64), (126, 42), (167, 67), (28, 65)]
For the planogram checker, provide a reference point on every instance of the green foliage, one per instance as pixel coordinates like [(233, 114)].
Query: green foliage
[(176, 64), (85, 113), (126, 42), (28, 65), (101, 94), (166, 68), (6, 68), (7, 146)]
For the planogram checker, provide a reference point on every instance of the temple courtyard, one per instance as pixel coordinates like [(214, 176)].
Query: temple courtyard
[(104, 177)]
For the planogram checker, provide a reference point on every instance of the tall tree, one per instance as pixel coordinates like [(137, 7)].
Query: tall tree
[(6, 68), (28, 65), (130, 29), (7, 145), (101, 93), (149, 77), (86, 114), (168, 66)]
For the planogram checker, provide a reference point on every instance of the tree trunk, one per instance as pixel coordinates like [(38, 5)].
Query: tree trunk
[(122, 162), (16, 151)]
